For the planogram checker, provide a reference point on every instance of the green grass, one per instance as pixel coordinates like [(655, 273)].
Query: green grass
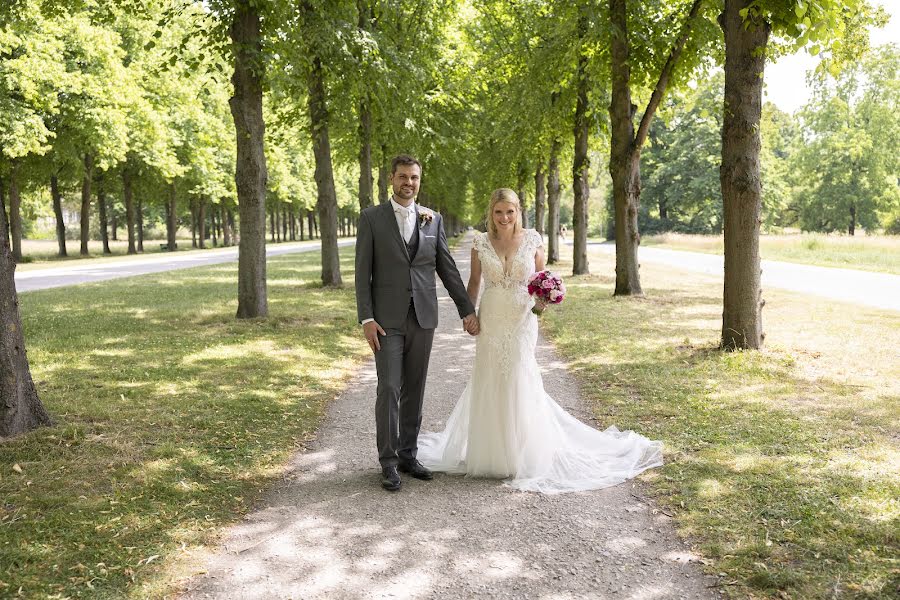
[(868, 253), (172, 417), (37, 252), (41, 254), (782, 466)]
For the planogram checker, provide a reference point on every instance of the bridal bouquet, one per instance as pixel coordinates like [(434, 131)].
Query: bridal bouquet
[(546, 288)]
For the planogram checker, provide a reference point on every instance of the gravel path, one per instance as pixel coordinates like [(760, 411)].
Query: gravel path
[(330, 531), (40, 279)]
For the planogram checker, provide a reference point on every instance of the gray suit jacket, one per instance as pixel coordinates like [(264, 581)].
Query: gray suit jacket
[(386, 278)]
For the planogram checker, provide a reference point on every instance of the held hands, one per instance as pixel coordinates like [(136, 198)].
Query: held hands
[(471, 324), (372, 330)]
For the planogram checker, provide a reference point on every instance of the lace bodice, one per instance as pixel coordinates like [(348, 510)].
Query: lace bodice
[(521, 265)]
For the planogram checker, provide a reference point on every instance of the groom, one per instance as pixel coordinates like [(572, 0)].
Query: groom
[(399, 248)]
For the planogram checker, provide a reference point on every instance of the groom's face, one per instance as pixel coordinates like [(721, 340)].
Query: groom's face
[(405, 181)]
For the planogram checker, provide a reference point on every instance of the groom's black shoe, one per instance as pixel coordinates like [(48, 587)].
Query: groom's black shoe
[(390, 479), (415, 468)]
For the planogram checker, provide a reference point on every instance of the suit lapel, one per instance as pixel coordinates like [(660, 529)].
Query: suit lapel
[(394, 229)]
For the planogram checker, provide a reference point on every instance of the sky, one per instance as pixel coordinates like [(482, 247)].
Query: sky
[(785, 81)]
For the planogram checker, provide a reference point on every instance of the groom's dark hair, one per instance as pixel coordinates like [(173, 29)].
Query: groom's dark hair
[(404, 159)]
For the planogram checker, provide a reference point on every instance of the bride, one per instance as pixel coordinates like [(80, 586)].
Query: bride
[(505, 425)]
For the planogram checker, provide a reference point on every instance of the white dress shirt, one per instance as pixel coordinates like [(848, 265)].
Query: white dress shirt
[(406, 229)]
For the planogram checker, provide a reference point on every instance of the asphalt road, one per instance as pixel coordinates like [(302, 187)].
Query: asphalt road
[(879, 290), (40, 279)]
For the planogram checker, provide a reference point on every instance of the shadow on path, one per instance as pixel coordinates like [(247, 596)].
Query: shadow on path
[(331, 532)]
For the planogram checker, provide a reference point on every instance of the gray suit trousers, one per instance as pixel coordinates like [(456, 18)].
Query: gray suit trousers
[(402, 365)]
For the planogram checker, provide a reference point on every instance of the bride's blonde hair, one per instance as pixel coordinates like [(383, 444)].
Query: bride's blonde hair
[(503, 195)]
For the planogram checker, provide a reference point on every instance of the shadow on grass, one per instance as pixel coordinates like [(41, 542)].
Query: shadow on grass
[(171, 417), (787, 482)]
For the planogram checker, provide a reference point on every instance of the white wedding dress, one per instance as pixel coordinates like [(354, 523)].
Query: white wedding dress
[(504, 424)]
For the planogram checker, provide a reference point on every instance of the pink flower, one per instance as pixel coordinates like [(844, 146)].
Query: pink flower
[(547, 288)]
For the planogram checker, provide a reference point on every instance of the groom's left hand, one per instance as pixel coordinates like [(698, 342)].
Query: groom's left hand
[(471, 325)]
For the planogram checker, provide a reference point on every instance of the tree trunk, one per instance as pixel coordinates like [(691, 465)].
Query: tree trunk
[(86, 203), (581, 163), (624, 159), (271, 227), (201, 223), (540, 197), (625, 143), (300, 221), (366, 182), (214, 225), (4, 222), (129, 208), (172, 218), (57, 211), (740, 177), (852, 228), (113, 223), (276, 211), (293, 216), (553, 193), (20, 407), (194, 243), (101, 207), (383, 171), (365, 154), (327, 198), (521, 179), (140, 225), (250, 172), (226, 229), (284, 222), (15, 215)]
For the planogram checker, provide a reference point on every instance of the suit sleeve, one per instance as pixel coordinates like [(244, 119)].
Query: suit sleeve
[(365, 254), (449, 274)]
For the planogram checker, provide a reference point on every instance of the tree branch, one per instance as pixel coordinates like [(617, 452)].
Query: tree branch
[(665, 74)]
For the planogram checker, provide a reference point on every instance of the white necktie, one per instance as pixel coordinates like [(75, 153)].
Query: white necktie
[(404, 220)]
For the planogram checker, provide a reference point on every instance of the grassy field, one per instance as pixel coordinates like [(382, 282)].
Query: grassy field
[(172, 416), (869, 253), (37, 251), (41, 254), (782, 466)]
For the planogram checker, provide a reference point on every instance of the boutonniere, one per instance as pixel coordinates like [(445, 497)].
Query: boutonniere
[(425, 217)]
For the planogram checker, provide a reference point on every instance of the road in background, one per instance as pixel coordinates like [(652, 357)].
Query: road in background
[(40, 279)]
